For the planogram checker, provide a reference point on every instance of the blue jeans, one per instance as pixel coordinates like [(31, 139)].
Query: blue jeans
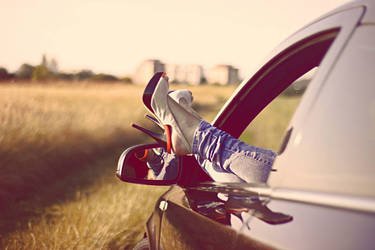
[(223, 157), (163, 165), (227, 159)]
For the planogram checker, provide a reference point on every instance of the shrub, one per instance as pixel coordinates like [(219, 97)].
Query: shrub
[(84, 75), (297, 88), (65, 76), (127, 79), (104, 78), (25, 72)]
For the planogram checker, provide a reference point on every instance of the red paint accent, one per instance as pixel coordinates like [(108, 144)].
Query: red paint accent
[(144, 155), (220, 217), (168, 131)]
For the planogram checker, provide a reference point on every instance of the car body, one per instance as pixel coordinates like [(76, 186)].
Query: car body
[(324, 181)]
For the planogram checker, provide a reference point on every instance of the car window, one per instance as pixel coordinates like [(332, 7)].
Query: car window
[(272, 79), (332, 148), (268, 129), (280, 91)]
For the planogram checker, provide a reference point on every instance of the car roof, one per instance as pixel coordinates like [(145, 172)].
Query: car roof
[(369, 15)]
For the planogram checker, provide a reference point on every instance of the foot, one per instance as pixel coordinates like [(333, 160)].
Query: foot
[(185, 98), (181, 123)]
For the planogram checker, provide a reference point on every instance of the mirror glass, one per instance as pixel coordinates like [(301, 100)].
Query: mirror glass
[(148, 164)]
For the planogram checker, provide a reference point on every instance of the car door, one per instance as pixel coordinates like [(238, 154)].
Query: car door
[(182, 227), (325, 176)]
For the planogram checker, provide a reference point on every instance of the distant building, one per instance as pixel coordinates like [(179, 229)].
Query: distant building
[(186, 74), (146, 70), (223, 74), (194, 74), (175, 73), (52, 66)]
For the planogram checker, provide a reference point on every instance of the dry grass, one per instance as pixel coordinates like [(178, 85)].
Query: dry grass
[(106, 215), (47, 131), (267, 129), (59, 145), (52, 194)]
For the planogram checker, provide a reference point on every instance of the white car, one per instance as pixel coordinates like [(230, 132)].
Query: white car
[(322, 194)]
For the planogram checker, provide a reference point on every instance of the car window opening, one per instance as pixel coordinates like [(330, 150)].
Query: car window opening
[(281, 91)]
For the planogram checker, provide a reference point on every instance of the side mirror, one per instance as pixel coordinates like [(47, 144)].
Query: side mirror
[(148, 164)]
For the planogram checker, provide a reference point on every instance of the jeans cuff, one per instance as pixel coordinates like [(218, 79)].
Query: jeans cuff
[(202, 126)]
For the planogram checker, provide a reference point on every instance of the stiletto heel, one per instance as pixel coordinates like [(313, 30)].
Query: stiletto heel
[(154, 120), (159, 138)]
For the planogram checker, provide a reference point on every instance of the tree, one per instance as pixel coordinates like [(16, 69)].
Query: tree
[(4, 75), (25, 71), (53, 66), (44, 61), (41, 73), (84, 75)]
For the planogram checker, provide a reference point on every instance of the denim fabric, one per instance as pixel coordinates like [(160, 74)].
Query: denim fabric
[(163, 165), (227, 159), (156, 163)]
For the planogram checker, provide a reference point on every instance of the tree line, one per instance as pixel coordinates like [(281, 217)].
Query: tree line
[(44, 73)]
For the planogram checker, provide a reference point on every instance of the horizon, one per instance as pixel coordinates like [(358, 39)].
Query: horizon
[(114, 37)]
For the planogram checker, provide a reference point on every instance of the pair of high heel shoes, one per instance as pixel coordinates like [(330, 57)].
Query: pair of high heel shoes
[(178, 119)]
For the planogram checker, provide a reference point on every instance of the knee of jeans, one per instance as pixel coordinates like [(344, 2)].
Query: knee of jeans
[(249, 168)]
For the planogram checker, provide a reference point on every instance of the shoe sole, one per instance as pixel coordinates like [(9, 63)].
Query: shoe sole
[(149, 90), (147, 97)]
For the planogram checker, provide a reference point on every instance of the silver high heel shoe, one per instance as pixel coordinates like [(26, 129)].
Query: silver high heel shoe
[(185, 98), (179, 124)]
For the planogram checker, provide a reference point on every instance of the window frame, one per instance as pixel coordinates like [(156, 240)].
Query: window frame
[(255, 93), (277, 75), (346, 20)]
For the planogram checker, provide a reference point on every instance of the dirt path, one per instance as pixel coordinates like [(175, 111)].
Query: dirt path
[(90, 210)]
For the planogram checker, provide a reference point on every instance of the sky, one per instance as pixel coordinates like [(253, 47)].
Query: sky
[(114, 36)]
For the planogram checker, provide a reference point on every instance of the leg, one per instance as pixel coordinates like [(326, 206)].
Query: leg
[(189, 134), (249, 163)]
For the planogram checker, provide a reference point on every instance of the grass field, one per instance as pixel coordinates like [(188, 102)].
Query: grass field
[(267, 129), (59, 144)]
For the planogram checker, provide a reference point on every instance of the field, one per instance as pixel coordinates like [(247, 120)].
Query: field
[(59, 144)]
